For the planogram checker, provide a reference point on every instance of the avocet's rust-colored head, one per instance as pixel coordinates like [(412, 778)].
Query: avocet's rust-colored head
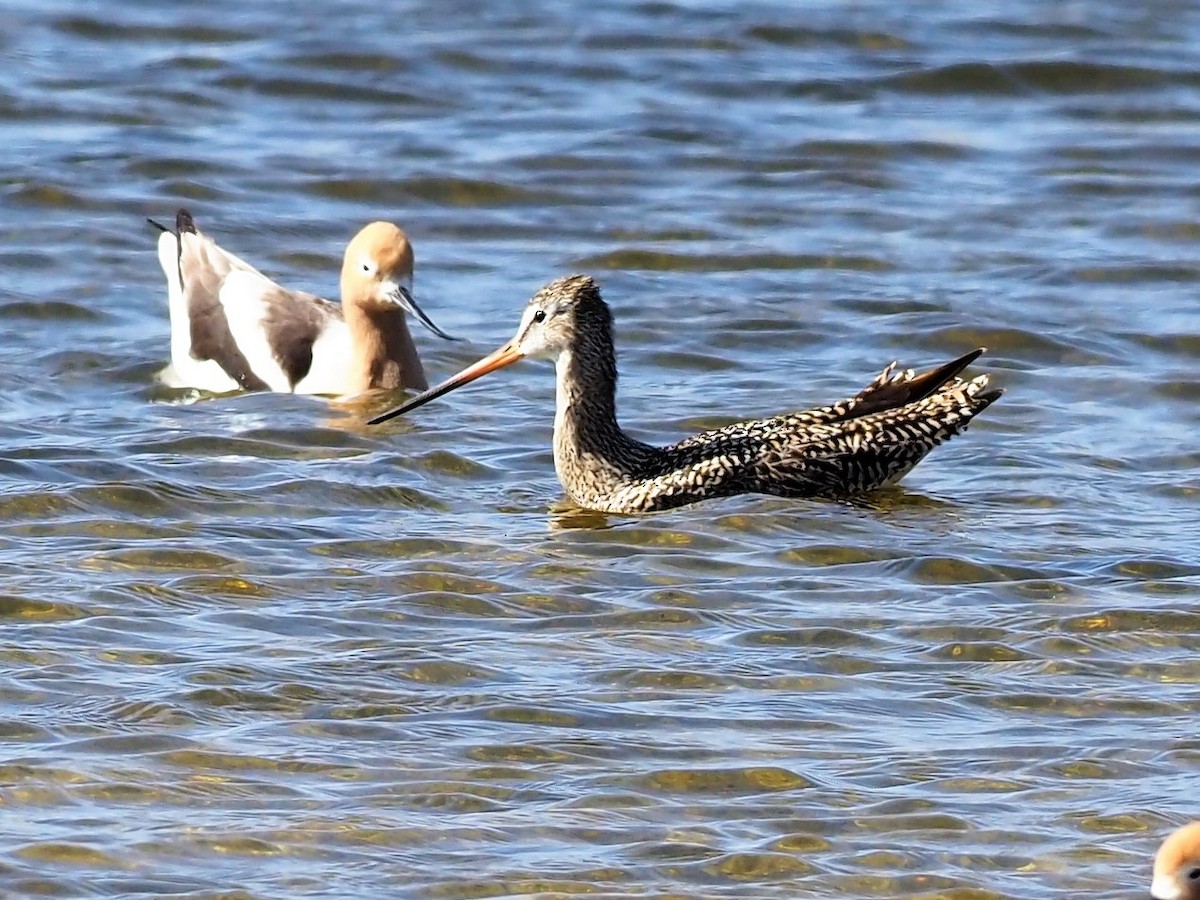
[(377, 272), (1177, 866)]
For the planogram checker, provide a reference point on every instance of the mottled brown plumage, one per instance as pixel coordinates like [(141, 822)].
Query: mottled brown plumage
[(850, 447)]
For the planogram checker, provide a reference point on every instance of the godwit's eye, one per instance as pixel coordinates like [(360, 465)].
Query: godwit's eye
[(366, 267), (539, 316), (1194, 875)]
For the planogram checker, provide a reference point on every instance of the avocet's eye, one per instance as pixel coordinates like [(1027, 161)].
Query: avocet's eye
[(539, 316), (366, 267)]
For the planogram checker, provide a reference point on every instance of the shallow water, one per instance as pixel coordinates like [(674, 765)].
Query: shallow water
[(255, 649)]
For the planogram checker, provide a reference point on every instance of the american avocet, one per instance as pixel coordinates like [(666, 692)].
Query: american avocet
[(1177, 865), (232, 327)]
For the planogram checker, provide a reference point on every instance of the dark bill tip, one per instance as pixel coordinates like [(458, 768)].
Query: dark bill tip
[(505, 356)]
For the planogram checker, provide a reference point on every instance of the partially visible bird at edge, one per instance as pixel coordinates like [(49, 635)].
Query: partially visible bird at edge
[(855, 446), (1177, 865), (234, 328)]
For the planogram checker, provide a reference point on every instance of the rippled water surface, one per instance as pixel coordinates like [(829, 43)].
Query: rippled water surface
[(254, 649)]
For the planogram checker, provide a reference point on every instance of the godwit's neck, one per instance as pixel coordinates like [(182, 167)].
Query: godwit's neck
[(587, 397), (592, 455), (384, 354)]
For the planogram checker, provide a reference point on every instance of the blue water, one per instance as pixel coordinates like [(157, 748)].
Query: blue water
[(253, 648)]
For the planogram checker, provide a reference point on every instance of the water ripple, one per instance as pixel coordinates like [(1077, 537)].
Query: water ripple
[(258, 649)]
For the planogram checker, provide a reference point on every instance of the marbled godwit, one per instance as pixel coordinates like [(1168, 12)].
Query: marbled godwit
[(857, 445)]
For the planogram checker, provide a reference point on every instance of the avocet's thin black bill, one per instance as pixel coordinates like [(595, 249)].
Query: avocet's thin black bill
[(407, 301)]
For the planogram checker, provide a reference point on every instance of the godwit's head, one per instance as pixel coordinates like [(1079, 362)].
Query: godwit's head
[(560, 316), (558, 319)]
